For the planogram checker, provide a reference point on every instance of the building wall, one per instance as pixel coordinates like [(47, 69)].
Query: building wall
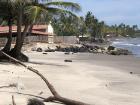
[(39, 38), (2, 41), (65, 39), (27, 40)]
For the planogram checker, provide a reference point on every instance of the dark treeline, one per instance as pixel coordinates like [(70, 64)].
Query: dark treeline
[(89, 25)]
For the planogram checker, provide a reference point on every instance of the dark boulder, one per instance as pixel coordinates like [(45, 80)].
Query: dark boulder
[(49, 50), (44, 53), (39, 49), (67, 53), (67, 60), (119, 51), (111, 48)]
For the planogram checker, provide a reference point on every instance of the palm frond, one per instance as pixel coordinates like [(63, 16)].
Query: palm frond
[(58, 11), (66, 5), (35, 13)]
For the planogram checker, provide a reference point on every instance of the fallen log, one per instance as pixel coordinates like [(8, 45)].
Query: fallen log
[(13, 100), (56, 96)]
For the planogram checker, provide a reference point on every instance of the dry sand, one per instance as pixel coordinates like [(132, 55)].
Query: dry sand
[(94, 79)]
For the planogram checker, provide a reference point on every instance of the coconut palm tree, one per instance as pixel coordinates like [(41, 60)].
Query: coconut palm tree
[(7, 15), (28, 12)]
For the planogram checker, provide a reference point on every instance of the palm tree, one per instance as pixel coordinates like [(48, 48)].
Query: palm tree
[(28, 12), (6, 13)]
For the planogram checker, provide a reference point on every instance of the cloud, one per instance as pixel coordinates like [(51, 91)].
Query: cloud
[(113, 11)]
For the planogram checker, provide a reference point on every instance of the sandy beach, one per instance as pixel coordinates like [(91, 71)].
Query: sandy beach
[(96, 79)]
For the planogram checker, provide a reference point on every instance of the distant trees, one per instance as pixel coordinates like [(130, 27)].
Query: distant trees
[(66, 25), (122, 30), (89, 25)]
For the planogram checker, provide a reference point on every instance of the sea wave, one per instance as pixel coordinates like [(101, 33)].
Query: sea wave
[(132, 44), (126, 44)]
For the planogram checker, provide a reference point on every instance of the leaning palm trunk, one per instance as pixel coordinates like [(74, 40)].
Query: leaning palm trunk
[(7, 47), (16, 51), (56, 96)]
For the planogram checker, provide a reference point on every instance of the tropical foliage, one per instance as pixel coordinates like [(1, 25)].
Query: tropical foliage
[(89, 25), (29, 12)]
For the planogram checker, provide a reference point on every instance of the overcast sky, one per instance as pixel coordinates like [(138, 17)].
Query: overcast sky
[(113, 11)]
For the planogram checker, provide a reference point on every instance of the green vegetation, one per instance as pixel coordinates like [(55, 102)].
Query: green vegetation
[(90, 26), (27, 13)]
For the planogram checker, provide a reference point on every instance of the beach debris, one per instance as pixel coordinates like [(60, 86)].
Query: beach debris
[(67, 60), (13, 100), (131, 72), (106, 85), (9, 86), (67, 53), (12, 85), (49, 50), (55, 97), (39, 49), (40, 93), (35, 101), (44, 53)]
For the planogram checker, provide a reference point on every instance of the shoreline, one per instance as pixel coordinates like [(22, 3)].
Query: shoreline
[(95, 79)]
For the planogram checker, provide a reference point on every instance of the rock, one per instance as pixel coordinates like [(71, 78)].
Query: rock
[(40, 93), (113, 52), (58, 48), (111, 48), (96, 47), (67, 53), (67, 49), (39, 49), (124, 51), (67, 60), (119, 51), (83, 49), (45, 53), (99, 51), (49, 50), (33, 49)]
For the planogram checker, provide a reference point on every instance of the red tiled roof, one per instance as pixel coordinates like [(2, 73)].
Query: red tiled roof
[(35, 30), (5, 29), (40, 27)]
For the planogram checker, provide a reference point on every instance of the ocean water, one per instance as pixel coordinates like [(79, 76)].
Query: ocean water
[(132, 44)]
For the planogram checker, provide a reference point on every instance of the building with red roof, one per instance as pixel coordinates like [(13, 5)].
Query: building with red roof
[(39, 33)]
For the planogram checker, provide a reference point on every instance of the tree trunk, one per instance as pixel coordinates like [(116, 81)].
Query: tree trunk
[(56, 96), (15, 52), (26, 29), (7, 47)]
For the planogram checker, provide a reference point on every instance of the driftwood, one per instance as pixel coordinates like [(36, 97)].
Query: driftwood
[(13, 100), (8, 86), (56, 96)]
